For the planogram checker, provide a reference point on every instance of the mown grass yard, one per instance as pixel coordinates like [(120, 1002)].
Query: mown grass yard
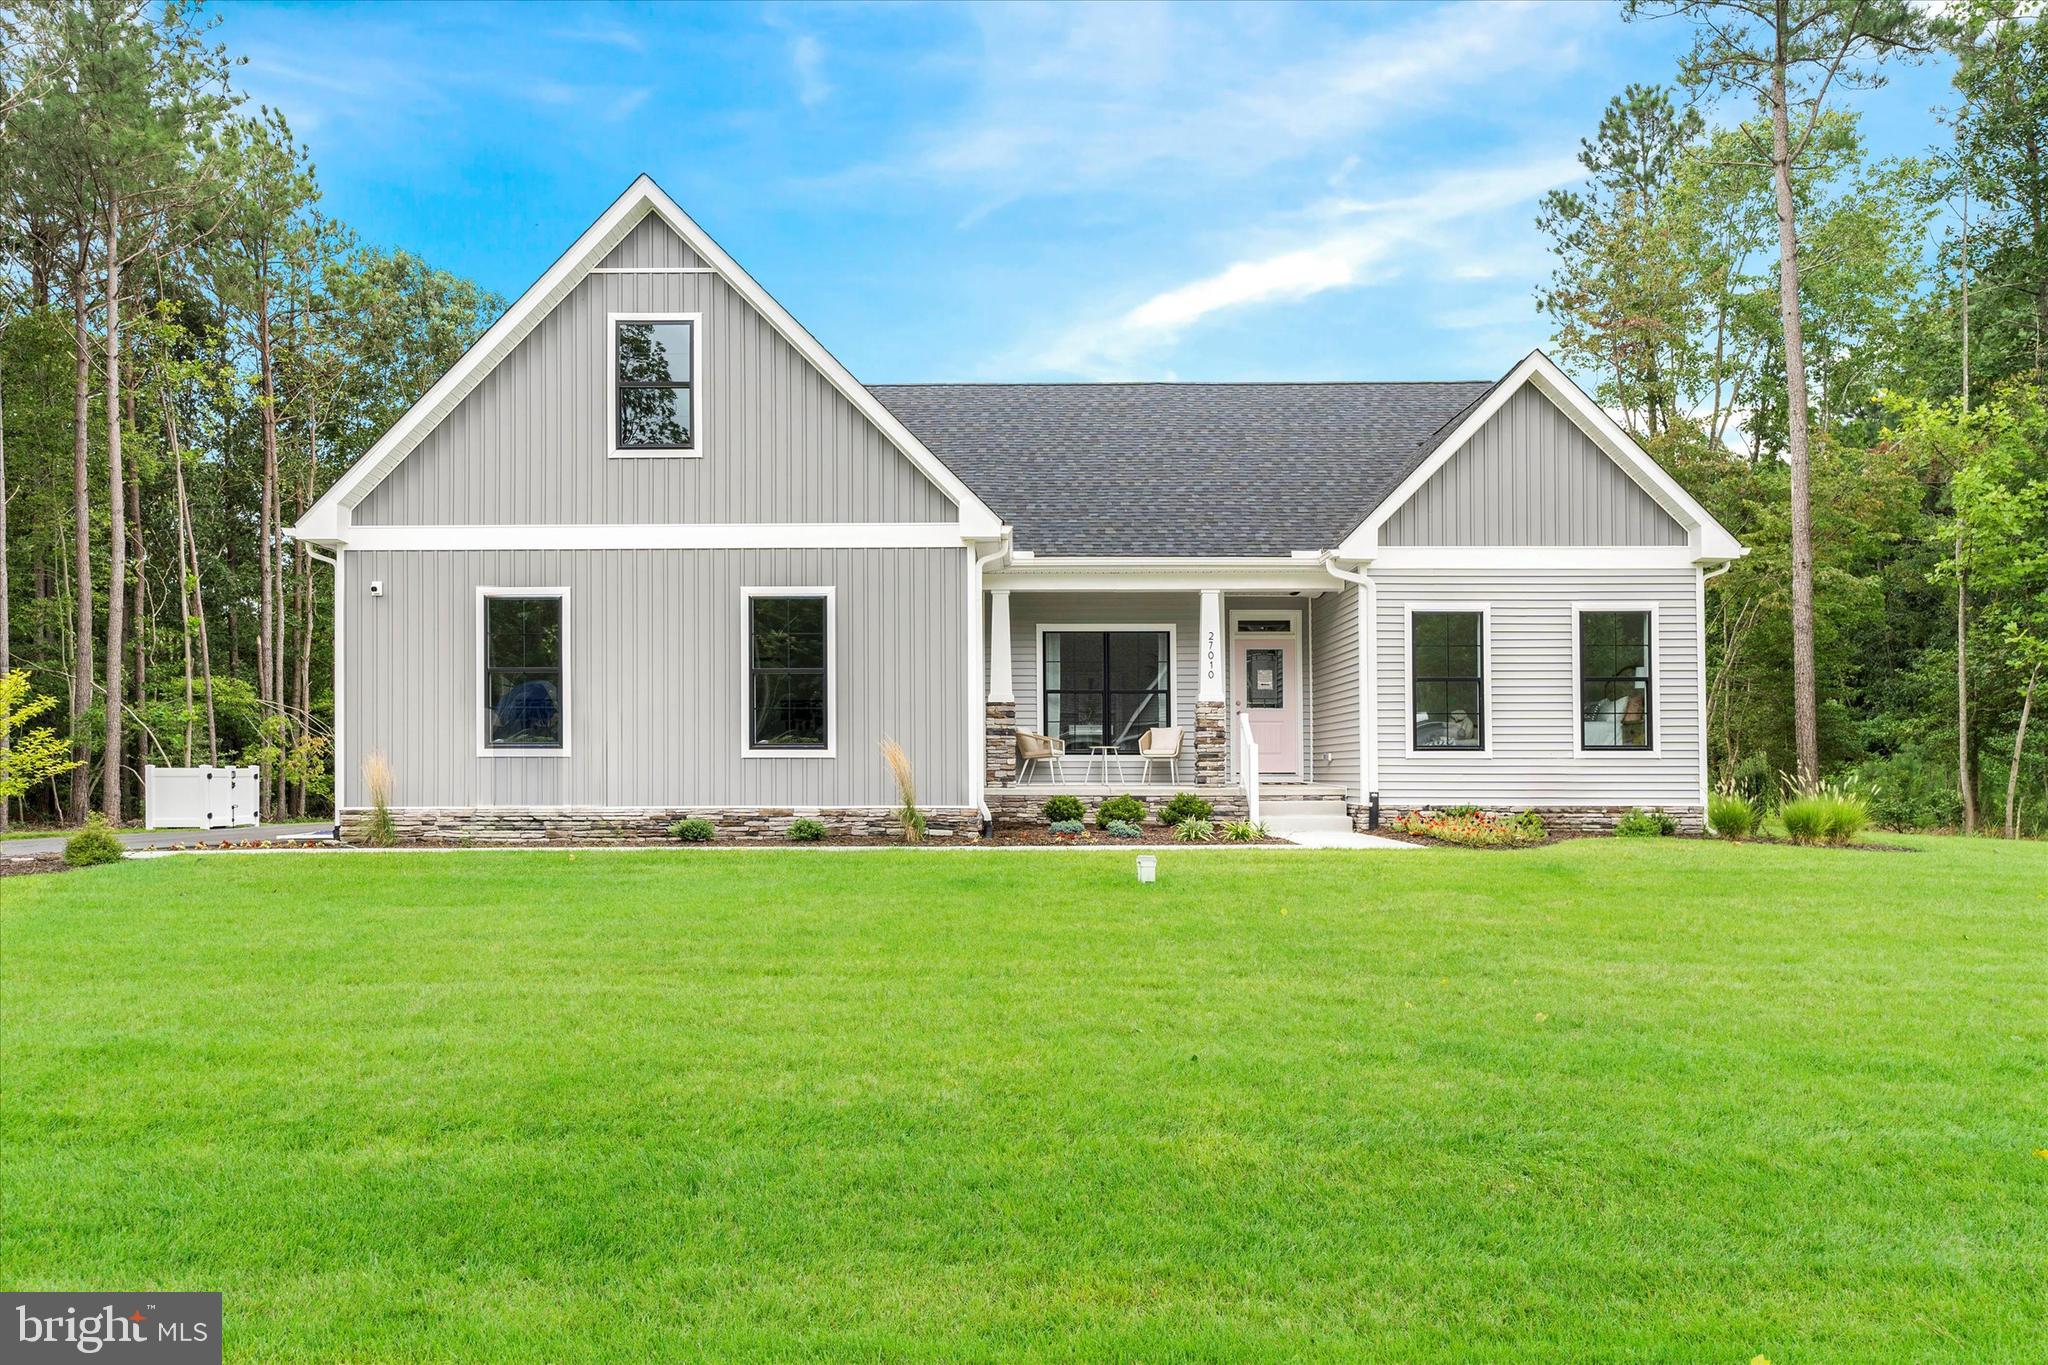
[(1598, 1100)]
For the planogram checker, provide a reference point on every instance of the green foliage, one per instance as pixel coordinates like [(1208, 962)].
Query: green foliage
[(1827, 813), (1063, 807), (1185, 806), (28, 756), (1530, 823), (1472, 830), (1194, 831), (1462, 812), (692, 831), (93, 845), (1910, 789), (1126, 808), (1645, 824), (1244, 832), (1730, 815), (1068, 829), (806, 830), (1122, 829)]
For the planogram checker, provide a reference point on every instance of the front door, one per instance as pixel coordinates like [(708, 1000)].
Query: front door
[(1269, 691)]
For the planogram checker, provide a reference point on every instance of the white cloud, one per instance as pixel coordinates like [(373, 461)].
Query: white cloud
[(807, 58)]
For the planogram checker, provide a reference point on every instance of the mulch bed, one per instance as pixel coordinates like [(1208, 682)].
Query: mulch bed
[(1039, 835), (29, 865)]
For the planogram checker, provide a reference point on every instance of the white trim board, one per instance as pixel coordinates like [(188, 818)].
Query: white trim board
[(1706, 539), (747, 596), (817, 535), (328, 521), (480, 662)]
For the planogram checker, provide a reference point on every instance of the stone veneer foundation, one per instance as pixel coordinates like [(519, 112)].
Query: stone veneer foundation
[(999, 748), (1564, 819), (1212, 743), (463, 827)]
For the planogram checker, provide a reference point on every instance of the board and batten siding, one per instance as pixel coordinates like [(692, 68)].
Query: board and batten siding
[(1529, 476), (531, 445), (1533, 704), (1333, 683), (657, 677)]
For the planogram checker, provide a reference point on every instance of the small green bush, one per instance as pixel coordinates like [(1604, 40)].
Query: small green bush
[(1061, 808), (1192, 831), (1123, 829), (93, 845), (1071, 829), (692, 831), (1644, 824), (1460, 812), (1531, 824), (1730, 815), (1185, 806), (1126, 808), (1846, 816), (1244, 832), (806, 831), (1827, 814)]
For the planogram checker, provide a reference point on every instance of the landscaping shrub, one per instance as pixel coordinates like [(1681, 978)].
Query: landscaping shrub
[(1185, 806), (1530, 823), (1244, 832), (1730, 815), (1911, 790), (377, 776), (1193, 831), (806, 831), (1126, 808), (1825, 814), (1068, 829), (908, 817), (1122, 829), (692, 831), (93, 845), (1063, 808), (1469, 831), (1462, 812), (1644, 824)]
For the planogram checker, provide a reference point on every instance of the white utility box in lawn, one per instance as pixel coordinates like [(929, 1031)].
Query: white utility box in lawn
[(201, 798)]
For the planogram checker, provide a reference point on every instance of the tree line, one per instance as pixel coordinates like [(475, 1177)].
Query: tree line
[(192, 351), (1843, 357)]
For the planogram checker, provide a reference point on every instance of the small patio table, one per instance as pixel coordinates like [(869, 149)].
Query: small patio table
[(1106, 754)]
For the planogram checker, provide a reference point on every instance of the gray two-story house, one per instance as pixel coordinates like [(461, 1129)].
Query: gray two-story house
[(649, 551)]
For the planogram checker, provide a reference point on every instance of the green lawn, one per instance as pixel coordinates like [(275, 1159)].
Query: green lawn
[(1604, 1099)]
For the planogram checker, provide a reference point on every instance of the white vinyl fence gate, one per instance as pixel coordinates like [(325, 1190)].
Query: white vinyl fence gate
[(201, 798)]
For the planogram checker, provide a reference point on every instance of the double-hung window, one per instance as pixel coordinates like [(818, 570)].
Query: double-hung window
[(657, 406), (524, 654), (1448, 654), (1107, 687), (1615, 679), (789, 672)]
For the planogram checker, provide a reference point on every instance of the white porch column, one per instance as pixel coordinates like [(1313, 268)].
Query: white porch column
[(999, 687), (1212, 646), (1212, 719)]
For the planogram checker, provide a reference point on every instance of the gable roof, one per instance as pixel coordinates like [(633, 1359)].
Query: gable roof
[(327, 521), (1181, 469)]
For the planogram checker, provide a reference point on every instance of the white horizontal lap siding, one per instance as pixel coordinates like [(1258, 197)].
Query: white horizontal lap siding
[(1533, 713), (1029, 610), (1334, 726), (531, 446), (657, 677)]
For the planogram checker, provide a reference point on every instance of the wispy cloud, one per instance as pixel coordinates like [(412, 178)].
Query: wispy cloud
[(807, 60)]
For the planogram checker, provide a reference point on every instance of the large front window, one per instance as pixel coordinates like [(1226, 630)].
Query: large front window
[(789, 649), (1449, 654), (1107, 686), (1614, 679), (524, 694)]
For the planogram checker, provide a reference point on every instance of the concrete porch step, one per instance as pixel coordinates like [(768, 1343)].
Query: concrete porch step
[(1293, 793), (1304, 814)]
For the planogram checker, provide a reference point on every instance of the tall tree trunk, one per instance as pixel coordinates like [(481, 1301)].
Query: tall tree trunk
[(138, 605), (2019, 742), (1805, 689), (184, 582), (266, 611), (1963, 775), (81, 512), (189, 557), (6, 654), (117, 530)]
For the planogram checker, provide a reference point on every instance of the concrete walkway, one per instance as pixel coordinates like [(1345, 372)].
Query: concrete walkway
[(1338, 838), (165, 838)]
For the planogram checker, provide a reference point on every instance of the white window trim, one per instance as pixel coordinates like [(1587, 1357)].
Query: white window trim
[(1485, 611), (747, 596), (484, 748), (1172, 670), (698, 426), (1579, 749)]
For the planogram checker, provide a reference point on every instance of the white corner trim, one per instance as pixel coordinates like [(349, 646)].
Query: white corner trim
[(1411, 610), (1656, 748), (804, 535), (480, 661), (695, 449), (747, 596), (1706, 538), (327, 521)]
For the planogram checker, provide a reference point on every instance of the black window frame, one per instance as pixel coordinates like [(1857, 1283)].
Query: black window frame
[(822, 671), (1647, 679), (560, 671), (1162, 694), (620, 385), (1417, 678)]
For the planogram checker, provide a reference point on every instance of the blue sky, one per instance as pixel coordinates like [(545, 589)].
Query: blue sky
[(1013, 191)]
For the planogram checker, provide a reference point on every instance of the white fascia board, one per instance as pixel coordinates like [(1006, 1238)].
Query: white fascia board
[(1708, 540), (665, 536), (1086, 573), (327, 521), (1534, 557)]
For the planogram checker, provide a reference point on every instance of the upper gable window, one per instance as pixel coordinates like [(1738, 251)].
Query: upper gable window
[(656, 404)]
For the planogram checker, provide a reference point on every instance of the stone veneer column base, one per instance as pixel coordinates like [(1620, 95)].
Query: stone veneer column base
[(1212, 743), (1562, 819), (483, 825), (1000, 747)]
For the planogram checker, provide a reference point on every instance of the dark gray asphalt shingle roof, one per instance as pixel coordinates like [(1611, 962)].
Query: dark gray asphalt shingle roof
[(1181, 469)]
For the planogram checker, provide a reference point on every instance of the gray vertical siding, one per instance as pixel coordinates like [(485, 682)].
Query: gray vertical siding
[(656, 676), (1531, 477), (1534, 700), (530, 446), (1333, 729), (650, 244)]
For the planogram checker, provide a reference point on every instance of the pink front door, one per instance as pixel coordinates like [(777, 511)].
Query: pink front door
[(1269, 691)]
